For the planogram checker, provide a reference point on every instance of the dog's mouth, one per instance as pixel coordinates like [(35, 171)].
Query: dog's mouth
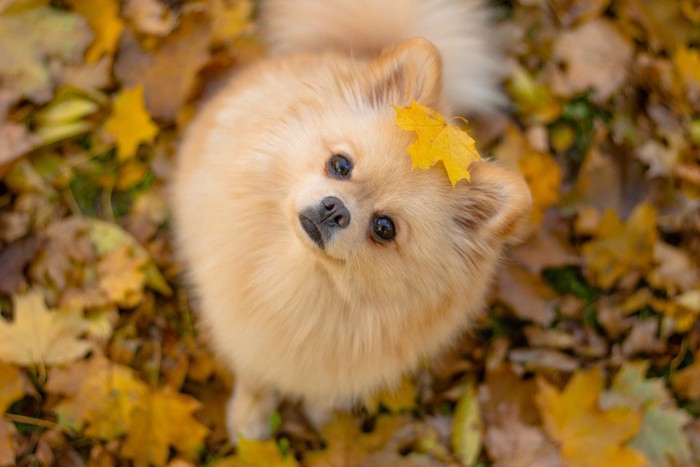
[(312, 230)]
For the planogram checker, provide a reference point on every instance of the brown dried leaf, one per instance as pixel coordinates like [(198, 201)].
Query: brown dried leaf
[(661, 158), (644, 339), (150, 16), (512, 443), (97, 75), (544, 360), (676, 271), (66, 247), (552, 338), (15, 139), (526, 294), (543, 251), (573, 11), (504, 391), (686, 382), (599, 181), (595, 55), (13, 259), (168, 74)]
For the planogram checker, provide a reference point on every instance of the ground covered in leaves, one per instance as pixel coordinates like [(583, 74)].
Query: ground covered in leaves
[(589, 354)]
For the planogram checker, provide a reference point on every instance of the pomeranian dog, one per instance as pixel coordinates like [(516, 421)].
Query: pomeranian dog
[(325, 268)]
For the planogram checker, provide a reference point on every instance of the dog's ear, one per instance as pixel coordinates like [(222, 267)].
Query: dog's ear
[(410, 70), (494, 206)]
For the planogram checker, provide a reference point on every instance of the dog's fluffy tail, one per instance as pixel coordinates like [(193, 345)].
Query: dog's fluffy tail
[(462, 31)]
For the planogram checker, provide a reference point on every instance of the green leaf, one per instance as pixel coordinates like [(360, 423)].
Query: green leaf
[(661, 438)]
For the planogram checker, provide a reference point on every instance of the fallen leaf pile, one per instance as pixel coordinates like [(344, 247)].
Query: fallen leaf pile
[(588, 354)]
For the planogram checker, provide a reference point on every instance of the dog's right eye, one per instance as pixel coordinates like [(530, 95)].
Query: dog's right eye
[(383, 228), (339, 167)]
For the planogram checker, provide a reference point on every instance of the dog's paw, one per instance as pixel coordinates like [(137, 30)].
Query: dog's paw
[(248, 413)]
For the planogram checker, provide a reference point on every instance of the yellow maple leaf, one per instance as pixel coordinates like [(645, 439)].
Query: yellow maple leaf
[(437, 141), (622, 247), (39, 335), (543, 176), (100, 396), (122, 276), (588, 435), (103, 18), (107, 238), (171, 413), (347, 444), (253, 453), (130, 122), (540, 170)]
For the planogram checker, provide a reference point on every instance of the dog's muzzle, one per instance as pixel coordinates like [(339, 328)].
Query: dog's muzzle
[(321, 222)]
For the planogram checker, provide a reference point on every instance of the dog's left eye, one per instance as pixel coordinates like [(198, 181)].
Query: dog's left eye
[(383, 228), (339, 166)]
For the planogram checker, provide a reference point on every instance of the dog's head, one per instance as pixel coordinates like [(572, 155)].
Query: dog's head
[(357, 205)]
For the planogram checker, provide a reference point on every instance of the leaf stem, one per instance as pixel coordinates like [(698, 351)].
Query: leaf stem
[(30, 420)]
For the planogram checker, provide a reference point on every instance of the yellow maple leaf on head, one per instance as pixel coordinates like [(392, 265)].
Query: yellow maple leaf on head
[(103, 18), (437, 141), (130, 122), (588, 435)]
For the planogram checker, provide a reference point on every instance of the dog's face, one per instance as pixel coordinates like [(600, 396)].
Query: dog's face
[(360, 198), (359, 208)]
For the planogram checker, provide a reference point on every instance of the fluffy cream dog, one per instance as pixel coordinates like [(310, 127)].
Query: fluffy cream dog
[(325, 268)]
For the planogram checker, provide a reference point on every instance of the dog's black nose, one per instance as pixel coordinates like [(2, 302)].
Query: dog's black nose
[(334, 213)]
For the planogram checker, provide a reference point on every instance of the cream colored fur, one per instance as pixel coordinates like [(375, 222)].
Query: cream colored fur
[(330, 326), (460, 29)]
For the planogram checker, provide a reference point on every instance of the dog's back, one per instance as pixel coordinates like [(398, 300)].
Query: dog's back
[(460, 29)]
